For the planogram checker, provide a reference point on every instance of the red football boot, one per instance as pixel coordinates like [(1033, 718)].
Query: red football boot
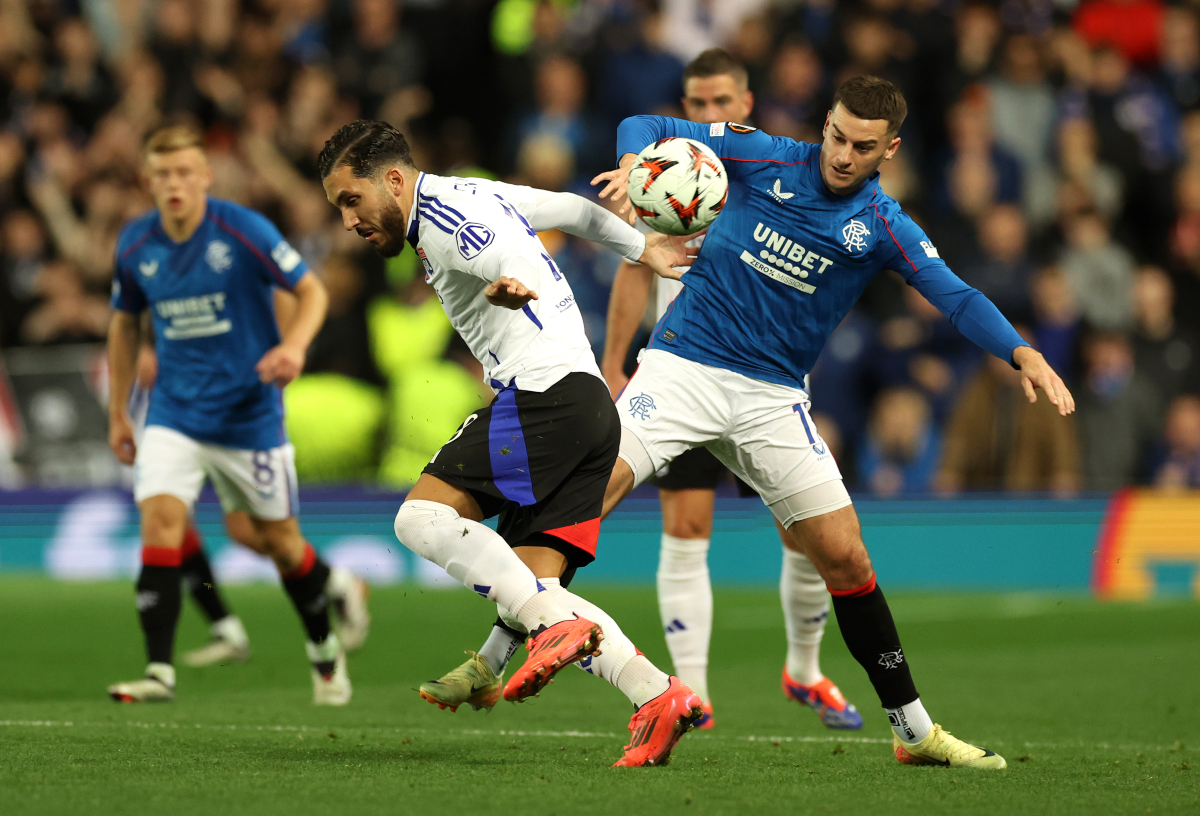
[(658, 725), (551, 648)]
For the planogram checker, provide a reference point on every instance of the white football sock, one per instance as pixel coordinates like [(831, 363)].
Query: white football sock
[(685, 603), (477, 557), (805, 610), (499, 648), (619, 661), (910, 722)]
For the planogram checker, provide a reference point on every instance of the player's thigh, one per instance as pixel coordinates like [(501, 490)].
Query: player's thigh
[(168, 463), (259, 483), (775, 448), (669, 406)]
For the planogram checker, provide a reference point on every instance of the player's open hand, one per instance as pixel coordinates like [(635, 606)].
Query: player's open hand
[(280, 365), (616, 185), (120, 439), (664, 253), (509, 293), (1037, 373)]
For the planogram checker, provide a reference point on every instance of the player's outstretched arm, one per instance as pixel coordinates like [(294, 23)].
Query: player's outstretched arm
[(626, 306), (122, 366), (284, 363)]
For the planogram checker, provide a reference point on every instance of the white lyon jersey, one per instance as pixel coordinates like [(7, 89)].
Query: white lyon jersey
[(666, 289), (470, 232)]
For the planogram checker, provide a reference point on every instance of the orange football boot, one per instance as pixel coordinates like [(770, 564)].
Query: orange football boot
[(551, 648), (658, 725)]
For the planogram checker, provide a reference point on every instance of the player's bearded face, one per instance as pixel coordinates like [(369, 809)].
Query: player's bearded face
[(390, 224), (853, 149)]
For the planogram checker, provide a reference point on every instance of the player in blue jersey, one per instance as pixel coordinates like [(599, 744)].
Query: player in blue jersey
[(804, 230), (205, 269), (715, 87)]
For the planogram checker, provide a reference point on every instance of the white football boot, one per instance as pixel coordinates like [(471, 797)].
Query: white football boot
[(158, 686), (348, 594), (229, 644), (330, 688)]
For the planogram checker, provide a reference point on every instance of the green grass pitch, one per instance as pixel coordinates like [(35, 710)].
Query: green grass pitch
[(1095, 706)]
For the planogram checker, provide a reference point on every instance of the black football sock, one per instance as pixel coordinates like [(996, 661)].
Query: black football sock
[(870, 634), (306, 587), (159, 598), (197, 572)]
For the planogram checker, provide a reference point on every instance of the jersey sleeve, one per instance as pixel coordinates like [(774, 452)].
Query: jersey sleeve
[(127, 295), (908, 251), (733, 143), (280, 263)]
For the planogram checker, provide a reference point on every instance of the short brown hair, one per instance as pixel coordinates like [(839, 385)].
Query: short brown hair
[(869, 97), (172, 137), (714, 62)]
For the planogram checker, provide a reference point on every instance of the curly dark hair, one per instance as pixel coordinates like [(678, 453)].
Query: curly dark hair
[(366, 146)]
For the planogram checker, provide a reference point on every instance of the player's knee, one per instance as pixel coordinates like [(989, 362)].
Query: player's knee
[(688, 527), (415, 520), (163, 525), (846, 568)]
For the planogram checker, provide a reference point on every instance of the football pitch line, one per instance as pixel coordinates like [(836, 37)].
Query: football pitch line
[(478, 732)]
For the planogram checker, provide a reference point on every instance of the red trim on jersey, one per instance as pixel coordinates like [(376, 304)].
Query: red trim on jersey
[(626, 385), (772, 161), (161, 556), (857, 592), (271, 266), (893, 237), (191, 543), (136, 244), (583, 535), (307, 562)]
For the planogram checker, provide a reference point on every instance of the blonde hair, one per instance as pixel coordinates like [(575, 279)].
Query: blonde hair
[(171, 138)]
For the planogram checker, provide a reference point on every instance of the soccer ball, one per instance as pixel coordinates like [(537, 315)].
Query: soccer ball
[(678, 186)]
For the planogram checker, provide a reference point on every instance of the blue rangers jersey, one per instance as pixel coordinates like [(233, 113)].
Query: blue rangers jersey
[(787, 259), (214, 318)]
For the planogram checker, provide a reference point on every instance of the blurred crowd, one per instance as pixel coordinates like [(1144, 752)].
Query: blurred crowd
[(1052, 152)]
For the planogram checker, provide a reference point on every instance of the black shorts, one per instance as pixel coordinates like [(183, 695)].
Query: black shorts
[(541, 461), (697, 469)]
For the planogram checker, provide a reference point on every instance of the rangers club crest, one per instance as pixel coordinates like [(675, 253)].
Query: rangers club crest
[(854, 235), (641, 406), (219, 256), (891, 660)]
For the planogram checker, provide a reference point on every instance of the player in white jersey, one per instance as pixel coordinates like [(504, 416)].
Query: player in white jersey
[(540, 455), (715, 90)]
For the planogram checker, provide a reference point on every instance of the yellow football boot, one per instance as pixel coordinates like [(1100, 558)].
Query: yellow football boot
[(942, 748), (473, 683)]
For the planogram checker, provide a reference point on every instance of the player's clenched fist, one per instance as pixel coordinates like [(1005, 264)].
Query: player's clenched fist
[(280, 365), (509, 293), (120, 439)]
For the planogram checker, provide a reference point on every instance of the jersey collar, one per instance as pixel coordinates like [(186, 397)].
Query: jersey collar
[(414, 214)]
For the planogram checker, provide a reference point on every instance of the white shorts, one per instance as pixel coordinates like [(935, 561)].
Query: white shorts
[(759, 430), (261, 483)]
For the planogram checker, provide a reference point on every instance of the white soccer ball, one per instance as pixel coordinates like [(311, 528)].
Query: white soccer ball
[(678, 186)]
